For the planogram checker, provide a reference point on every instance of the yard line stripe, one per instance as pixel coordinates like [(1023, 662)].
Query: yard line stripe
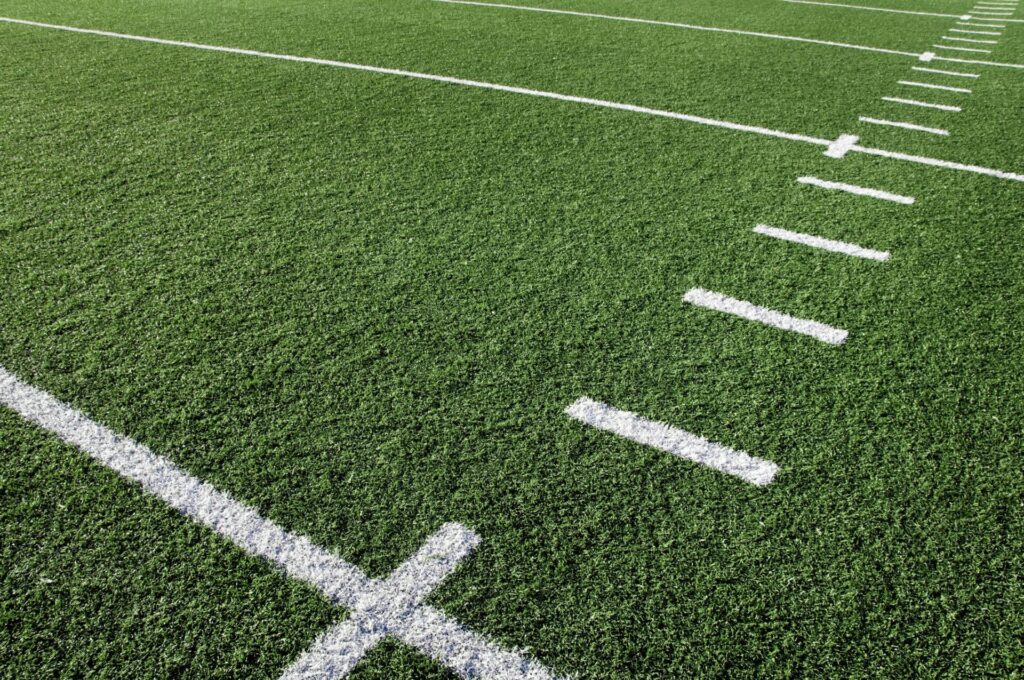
[(970, 40), (822, 243), (930, 86), (858, 190), (747, 310), (976, 62), (927, 105), (601, 103), (968, 23), (961, 30), (440, 79), (962, 49), (672, 24), (959, 74), (939, 163), (392, 607), (963, 17), (873, 9), (905, 126), (679, 443)]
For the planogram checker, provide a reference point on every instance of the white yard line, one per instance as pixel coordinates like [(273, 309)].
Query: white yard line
[(618, 106), (959, 74), (970, 40), (962, 30), (968, 23), (820, 243), (857, 190), (926, 105), (905, 126), (381, 608), (672, 440), (932, 86), (747, 310), (672, 24), (962, 17), (962, 49)]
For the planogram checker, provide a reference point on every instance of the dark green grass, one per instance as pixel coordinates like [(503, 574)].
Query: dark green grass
[(361, 303)]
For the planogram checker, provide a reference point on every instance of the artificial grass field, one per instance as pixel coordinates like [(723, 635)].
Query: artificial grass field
[(361, 303)]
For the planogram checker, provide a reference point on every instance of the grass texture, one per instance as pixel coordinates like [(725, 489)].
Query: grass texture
[(361, 303)]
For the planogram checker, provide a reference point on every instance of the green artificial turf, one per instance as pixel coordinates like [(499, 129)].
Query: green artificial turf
[(360, 303)]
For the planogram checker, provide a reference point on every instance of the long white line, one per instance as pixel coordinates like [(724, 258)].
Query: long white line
[(961, 30), (873, 9), (672, 24), (970, 40), (389, 608), (962, 49), (858, 190), (820, 243), (968, 23), (712, 122), (927, 105), (672, 440), (746, 310), (959, 74), (964, 17), (932, 86), (905, 126)]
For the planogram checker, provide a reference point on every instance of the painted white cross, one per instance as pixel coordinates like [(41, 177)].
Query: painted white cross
[(377, 608)]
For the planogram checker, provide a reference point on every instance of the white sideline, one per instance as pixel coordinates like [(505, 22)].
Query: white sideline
[(391, 607), (964, 17), (962, 49), (932, 86), (970, 40), (672, 440), (854, 189), (962, 30), (673, 24), (905, 126), (747, 310), (822, 243), (927, 105), (712, 122), (959, 74)]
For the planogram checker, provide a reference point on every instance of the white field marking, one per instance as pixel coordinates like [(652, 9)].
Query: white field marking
[(672, 24), (977, 62), (843, 145), (962, 17), (964, 30), (931, 86), (873, 9), (968, 23), (854, 189), (822, 243), (927, 105), (959, 74), (747, 310), (672, 440), (905, 126), (909, 158), (970, 40), (392, 607), (962, 49)]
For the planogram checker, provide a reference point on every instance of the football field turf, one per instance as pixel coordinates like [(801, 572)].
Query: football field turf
[(431, 339)]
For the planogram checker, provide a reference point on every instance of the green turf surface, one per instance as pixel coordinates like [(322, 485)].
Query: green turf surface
[(360, 303)]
